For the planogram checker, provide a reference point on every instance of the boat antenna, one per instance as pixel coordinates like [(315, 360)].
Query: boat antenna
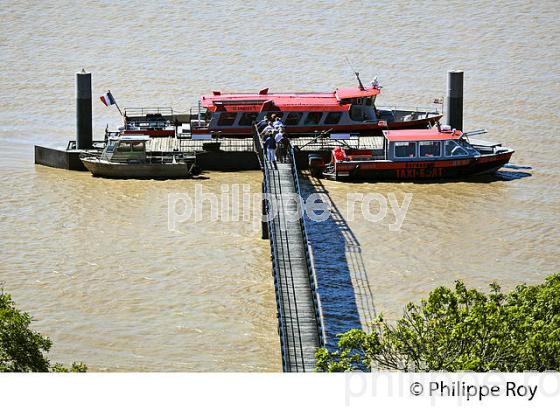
[(357, 74)]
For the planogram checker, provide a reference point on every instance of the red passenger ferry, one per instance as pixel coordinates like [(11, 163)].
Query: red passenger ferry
[(433, 153), (351, 110)]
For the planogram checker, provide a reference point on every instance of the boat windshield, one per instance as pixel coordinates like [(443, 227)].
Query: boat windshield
[(111, 145), (361, 113), (459, 149), (467, 146)]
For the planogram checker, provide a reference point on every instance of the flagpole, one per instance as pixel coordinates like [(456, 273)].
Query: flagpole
[(116, 105)]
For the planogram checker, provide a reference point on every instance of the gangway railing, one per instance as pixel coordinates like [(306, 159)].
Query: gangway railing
[(293, 341), (143, 111), (309, 254), (221, 144), (291, 344), (282, 327), (258, 148)]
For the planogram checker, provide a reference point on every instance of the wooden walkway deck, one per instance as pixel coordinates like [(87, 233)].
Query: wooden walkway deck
[(298, 317)]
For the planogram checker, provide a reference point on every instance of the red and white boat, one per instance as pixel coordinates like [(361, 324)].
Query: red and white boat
[(426, 154), (349, 110)]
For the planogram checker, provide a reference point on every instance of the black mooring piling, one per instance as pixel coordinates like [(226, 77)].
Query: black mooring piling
[(264, 216), (455, 99), (84, 134)]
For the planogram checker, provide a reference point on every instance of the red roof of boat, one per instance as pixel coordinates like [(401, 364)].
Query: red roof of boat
[(355, 92), (421, 135), (285, 101)]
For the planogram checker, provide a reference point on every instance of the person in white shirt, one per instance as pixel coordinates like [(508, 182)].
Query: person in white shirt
[(279, 135), (266, 131), (278, 123)]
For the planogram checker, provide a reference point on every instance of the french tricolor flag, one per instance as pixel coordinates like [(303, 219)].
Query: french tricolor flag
[(107, 99)]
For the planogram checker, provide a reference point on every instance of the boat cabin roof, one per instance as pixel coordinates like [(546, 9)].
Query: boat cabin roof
[(129, 138), (355, 92), (263, 101), (430, 134)]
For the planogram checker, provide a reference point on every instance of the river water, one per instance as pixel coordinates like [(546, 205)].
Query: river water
[(94, 261)]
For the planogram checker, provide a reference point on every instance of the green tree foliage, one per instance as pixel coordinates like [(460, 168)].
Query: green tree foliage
[(460, 329), (22, 349)]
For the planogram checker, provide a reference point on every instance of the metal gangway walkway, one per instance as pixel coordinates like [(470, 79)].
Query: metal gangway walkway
[(300, 319)]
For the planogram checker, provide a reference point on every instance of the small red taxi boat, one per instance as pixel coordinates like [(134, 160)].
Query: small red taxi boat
[(426, 154), (351, 110)]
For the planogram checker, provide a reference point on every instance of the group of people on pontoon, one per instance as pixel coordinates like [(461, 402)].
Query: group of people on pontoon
[(275, 141)]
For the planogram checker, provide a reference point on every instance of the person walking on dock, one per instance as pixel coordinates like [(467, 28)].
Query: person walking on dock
[(268, 130), (262, 123), (277, 124), (270, 144), (281, 147)]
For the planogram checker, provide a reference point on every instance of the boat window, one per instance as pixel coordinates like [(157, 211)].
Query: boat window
[(405, 149), (430, 149), (248, 118), (293, 118), (313, 118), (111, 146), (333, 117), (138, 146), (227, 118), (124, 146), (452, 149), (357, 113)]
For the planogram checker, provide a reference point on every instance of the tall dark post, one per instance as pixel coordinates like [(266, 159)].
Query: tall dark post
[(264, 223), (84, 133), (455, 99)]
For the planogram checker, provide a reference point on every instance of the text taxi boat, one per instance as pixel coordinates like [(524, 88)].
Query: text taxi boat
[(125, 156), (350, 110), (433, 153)]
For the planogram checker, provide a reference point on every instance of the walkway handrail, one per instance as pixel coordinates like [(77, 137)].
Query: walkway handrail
[(289, 329), (258, 147), (282, 328), (309, 256), (142, 111)]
